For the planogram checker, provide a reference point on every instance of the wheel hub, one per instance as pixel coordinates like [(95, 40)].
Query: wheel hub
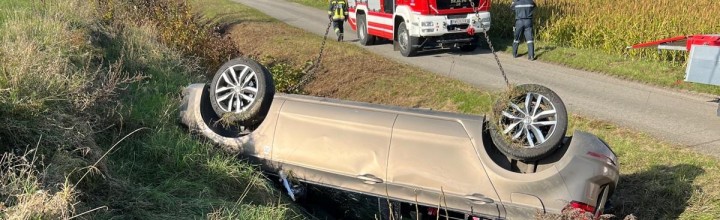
[(527, 121), (237, 88), (530, 121), (403, 41)]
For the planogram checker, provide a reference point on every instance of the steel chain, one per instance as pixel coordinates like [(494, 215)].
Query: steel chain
[(308, 74), (487, 38)]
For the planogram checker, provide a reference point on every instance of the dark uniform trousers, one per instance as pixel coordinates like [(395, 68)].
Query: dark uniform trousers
[(524, 10), (524, 26)]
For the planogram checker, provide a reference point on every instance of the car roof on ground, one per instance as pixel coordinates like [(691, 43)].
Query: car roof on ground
[(380, 107)]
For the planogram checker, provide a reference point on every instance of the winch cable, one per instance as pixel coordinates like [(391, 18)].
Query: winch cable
[(312, 69), (487, 38)]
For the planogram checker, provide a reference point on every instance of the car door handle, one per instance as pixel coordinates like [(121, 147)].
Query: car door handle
[(479, 199), (369, 179)]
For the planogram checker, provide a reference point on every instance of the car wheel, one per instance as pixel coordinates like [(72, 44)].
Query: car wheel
[(406, 41), (242, 91), (530, 123), (362, 32), (197, 114)]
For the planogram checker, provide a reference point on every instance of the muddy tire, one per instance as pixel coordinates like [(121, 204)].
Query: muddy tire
[(529, 124), (362, 32), (407, 43), (242, 91), (196, 113), (195, 110)]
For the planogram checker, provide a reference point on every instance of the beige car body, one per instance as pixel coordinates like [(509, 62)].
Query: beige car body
[(416, 156)]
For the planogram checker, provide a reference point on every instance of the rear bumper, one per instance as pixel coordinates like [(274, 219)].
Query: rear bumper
[(577, 172), (592, 169)]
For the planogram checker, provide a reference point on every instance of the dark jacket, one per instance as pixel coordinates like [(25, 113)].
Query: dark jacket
[(523, 9)]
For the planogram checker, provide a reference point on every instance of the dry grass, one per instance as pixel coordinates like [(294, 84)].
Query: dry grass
[(51, 81), (338, 76), (77, 75), (23, 195), (178, 26), (56, 91)]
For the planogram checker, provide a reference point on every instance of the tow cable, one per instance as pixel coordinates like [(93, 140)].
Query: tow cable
[(311, 70), (487, 38)]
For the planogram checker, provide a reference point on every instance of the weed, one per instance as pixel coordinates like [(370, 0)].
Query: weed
[(80, 74), (23, 195)]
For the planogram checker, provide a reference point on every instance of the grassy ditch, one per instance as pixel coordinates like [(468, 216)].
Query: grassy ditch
[(598, 50), (89, 93), (659, 180)]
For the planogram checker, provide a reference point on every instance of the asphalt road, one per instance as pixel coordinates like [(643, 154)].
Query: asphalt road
[(678, 117)]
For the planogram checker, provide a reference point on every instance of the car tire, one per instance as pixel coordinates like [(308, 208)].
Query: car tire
[(407, 43), (196, 113), (362, 32), (529, 123), (241, 91)]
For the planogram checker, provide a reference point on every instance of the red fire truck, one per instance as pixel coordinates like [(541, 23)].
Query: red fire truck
[(415, 25)]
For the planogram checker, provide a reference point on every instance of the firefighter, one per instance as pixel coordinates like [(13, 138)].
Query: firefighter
[(338, 14), (523, 24)]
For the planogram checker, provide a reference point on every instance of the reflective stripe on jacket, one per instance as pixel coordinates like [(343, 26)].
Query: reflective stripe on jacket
[(338, 10), (523, 9)]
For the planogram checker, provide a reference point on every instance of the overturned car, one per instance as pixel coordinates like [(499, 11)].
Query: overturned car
[(510, 165)]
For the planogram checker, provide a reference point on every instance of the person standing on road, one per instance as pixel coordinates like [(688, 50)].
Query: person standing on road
[(338, 14), (523, 24)]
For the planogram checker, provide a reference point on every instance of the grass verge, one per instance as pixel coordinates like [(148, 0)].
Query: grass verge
[(92, 89), (659, 180), (664, 74)]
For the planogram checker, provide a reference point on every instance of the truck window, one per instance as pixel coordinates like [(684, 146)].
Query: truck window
[(389, 6)]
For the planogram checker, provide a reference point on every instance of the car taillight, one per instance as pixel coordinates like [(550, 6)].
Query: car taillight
[(582, 206), (601, 157)]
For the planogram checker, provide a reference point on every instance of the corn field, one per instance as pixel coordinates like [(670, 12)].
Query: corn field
[(613, 25)]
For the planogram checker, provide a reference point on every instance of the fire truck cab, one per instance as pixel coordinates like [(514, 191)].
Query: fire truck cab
[(415, 25)]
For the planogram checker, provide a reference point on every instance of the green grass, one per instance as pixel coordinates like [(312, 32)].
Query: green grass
[(657, 73), (320, 4), (649, 71), (659, 180), (167, 173), (59, 63)]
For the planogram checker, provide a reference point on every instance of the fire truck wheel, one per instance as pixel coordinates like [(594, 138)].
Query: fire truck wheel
[(407, 42), (529, 123), (468, 48), (242, 90), (365, 38)]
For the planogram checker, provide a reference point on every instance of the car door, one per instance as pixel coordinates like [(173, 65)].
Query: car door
[(433, 161), (338, 145)]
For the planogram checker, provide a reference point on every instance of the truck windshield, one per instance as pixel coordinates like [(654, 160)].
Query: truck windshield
[(455, 4)]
